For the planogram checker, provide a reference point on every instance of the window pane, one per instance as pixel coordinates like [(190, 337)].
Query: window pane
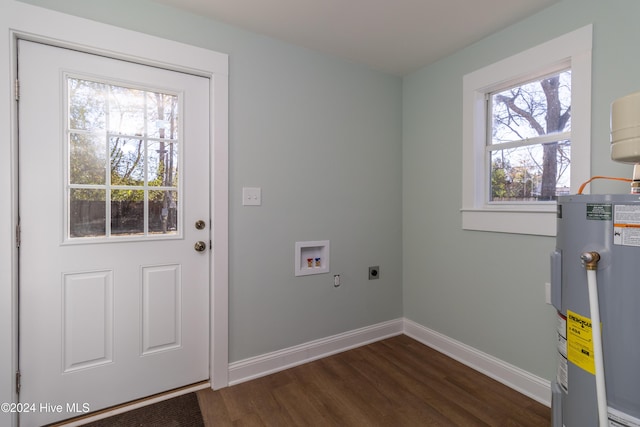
[(126, 111), (532, 109), (86, 159), (163, 212), (87, 213), (526, 170), (162, 116), (127, 161), (127, 212), (163, 164), (87, 105), (517, 174)]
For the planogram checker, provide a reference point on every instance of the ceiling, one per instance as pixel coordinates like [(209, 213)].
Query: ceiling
[(394, 36)]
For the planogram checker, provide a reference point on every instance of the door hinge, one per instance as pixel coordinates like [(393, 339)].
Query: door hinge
[(18, 236), (17, 90), (18, 382)]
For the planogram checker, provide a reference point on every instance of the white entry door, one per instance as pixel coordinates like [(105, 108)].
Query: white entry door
[(115, 231)]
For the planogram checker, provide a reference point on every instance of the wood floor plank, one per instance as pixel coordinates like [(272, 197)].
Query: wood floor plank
[(213, 407), (393, 382), (404, 391), (480, 395), (334, 394), (433, 388), (372, 397)]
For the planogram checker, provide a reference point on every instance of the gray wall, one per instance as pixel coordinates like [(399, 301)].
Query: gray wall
[(322, 137), (486, 289)]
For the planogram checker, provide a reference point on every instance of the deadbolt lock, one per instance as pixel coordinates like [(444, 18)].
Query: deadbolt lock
[(200, 224)]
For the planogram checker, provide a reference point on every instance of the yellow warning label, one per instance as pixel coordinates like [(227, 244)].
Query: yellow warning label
[(580, 341)]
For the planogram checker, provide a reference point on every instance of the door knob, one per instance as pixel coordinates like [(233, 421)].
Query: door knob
[(200, 246)]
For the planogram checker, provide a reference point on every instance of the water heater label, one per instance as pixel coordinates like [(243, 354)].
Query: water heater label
[(626, 225), (561, 329), (562, 373), (580, 341), (599, 211)]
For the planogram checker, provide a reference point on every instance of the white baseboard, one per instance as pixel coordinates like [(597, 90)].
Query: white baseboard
[(518, 379), (522, 381), (259, 366)]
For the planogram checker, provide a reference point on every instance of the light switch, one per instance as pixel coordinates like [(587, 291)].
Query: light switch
[(251, 196)]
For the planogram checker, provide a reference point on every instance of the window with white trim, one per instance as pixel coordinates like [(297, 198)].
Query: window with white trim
[(528, 144), (526, 136)]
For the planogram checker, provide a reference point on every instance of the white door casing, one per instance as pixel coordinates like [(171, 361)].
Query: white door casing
[(24, 21), (108, 319)]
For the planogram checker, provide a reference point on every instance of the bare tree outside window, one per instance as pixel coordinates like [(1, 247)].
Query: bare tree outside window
[(529, 146)]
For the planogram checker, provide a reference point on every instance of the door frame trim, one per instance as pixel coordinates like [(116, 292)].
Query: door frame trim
[(42, 25)]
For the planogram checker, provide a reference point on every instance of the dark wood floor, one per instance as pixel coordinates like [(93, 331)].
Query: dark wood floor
[(394, 382)]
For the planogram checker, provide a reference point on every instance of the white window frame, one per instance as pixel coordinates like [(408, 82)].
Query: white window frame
[(538, 218)]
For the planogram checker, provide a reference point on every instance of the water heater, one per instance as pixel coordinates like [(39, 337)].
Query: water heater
[(595, 287), (610, 226)]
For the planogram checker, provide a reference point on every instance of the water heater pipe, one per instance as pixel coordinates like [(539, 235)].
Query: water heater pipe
[(590, 260)]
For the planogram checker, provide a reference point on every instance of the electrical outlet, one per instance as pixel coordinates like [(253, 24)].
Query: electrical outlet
[(374, 272)]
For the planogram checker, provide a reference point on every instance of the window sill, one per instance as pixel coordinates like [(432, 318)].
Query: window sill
[(532, 222)]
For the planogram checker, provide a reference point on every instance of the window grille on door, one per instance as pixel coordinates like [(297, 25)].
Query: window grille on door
[(123, 161)]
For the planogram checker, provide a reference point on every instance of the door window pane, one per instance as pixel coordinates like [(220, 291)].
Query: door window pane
[(87, 212), (127, 161), (126, 111), (163, 116), (127, 212), (86, 159), (123, 161), (163, 211), (163, 164), (87, 105)]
